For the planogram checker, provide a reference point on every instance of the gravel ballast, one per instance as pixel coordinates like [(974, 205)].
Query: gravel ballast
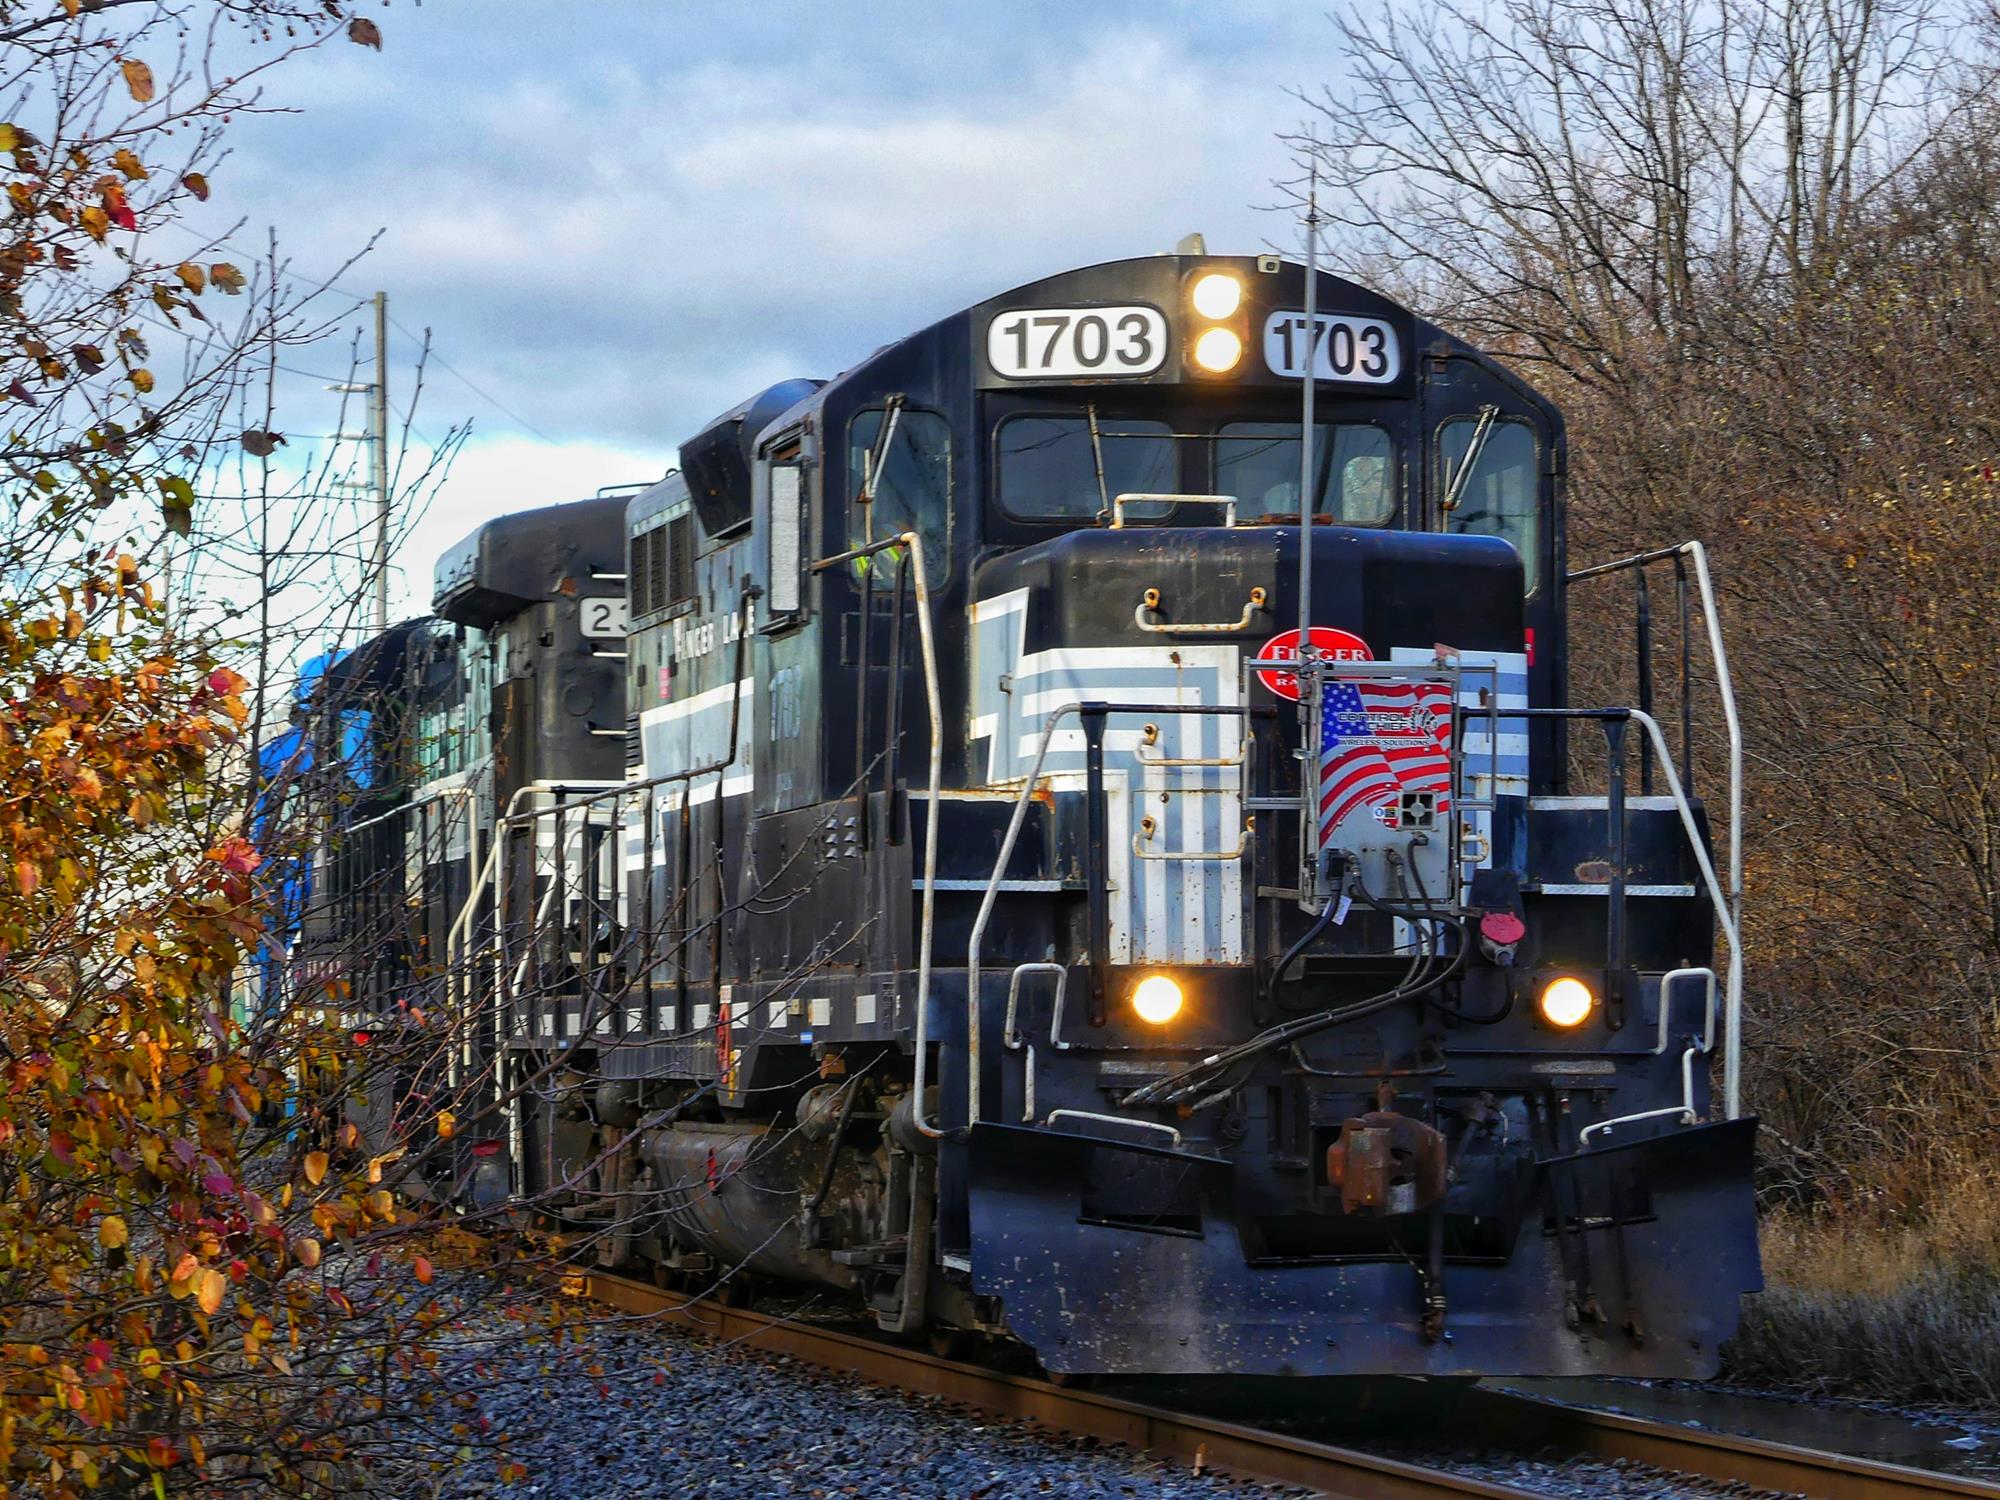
[(615, 1409)]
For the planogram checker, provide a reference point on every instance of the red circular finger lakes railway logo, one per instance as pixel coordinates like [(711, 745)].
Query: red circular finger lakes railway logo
[(1339, 645)]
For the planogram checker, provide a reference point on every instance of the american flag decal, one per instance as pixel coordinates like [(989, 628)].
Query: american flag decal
[(1377, 741)]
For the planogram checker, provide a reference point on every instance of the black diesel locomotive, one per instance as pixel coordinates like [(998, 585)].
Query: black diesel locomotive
[(1038, 899)]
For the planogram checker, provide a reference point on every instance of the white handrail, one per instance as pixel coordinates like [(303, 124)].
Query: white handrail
[(1732, 1044), (972, 973), (1726, 688), (935, 701), (1730, 903)]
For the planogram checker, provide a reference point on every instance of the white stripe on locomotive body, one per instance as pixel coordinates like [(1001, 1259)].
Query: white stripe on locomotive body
[(1162, 910), (694, 731), (691, 731), (1185, 911), (1502, 757), (1493, 764)]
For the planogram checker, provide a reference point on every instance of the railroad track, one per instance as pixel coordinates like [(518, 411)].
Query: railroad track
[(1507, 1420)]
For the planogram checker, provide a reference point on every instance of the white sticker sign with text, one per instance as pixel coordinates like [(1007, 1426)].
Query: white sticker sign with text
[(604, 619), (1064, 343), (1348, 348)]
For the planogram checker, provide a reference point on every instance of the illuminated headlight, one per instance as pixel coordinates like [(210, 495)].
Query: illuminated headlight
[(1218, 350), (1217, 296), (1157, 999), (1566, 1002)]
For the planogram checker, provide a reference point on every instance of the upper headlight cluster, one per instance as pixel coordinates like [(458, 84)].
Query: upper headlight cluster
[(1217, 295), (1216, 298), (1218, 349)]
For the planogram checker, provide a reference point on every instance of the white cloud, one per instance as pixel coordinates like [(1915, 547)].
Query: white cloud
[(621, 227), (494, 476)]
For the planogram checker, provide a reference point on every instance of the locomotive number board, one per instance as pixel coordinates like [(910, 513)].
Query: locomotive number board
[(1042, 343), (605, 619), (1347, 348)]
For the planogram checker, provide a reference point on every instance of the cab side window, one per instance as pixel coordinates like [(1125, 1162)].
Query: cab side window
[(913, 490), (1501, 494)]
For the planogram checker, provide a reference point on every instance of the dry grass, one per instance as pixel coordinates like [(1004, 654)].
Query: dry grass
[(1893, 1306)]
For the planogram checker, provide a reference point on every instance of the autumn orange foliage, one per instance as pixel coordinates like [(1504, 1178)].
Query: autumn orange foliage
[(169, 1184), (147, 1225)]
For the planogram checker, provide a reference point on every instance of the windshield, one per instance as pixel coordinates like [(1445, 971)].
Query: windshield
[(913, 491), (1047, 467), (1048, 470), (1502, 493), (1258, 463)]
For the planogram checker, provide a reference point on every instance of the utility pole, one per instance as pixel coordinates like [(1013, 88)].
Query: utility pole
[(375, 582), (378, 432)]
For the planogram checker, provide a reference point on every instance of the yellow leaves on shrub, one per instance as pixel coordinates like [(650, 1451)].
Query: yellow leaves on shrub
[(142, 381), (192, 276), (210, 1286), (138, 78), (315, 1167), (111, 1232), (130, 165), (226, 277), (381, 1204), (447, 1124), (96, 222), (197, 184), (306, 1253)]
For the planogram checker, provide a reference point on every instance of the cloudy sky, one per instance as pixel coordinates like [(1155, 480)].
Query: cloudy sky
[(620, 217)]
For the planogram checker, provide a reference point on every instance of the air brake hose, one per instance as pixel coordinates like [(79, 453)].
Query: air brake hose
[(1332, 858)]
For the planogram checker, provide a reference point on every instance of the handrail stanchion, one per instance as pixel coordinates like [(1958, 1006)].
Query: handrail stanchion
[(934, 699), (1729, 903), (972, 956)]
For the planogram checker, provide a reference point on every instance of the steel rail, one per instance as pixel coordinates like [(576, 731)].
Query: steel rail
[(1246, 1451), (1757, 1462), (1503, 1419)]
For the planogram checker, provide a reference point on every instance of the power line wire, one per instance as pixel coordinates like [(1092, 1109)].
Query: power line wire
[(475, 388)]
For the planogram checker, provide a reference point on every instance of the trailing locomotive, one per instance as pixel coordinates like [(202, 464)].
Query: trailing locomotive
[(1051, 892)]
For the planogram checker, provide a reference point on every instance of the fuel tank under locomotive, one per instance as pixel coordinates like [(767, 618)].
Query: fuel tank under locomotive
[(778, 1199)]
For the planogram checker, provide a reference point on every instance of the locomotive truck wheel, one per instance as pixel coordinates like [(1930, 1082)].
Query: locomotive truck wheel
[(949, 1342)]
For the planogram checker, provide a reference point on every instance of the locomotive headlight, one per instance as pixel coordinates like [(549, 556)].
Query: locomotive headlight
[(1566, 1002), (1217, 296), (1219, 350), (1157, 999)]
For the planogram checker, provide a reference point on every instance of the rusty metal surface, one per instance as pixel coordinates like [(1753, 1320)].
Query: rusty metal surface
[(1386, 1163), (1504, 1419)]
